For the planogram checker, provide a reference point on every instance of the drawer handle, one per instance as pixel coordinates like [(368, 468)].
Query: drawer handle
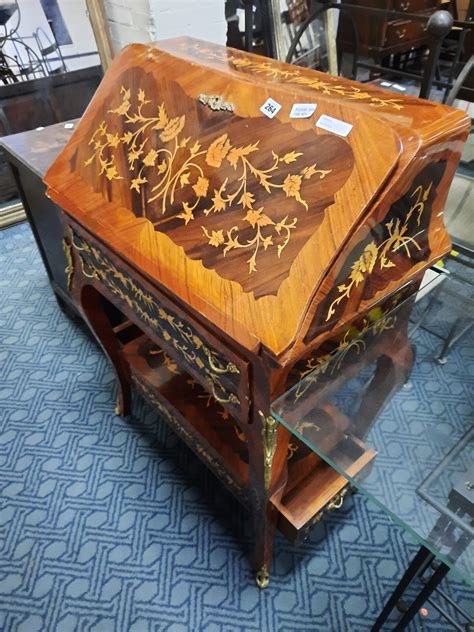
[(219, 368), (401, 34), (232, 399), (404, 6), (336, 502)]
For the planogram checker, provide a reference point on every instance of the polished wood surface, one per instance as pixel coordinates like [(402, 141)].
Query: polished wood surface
[(240, 215), (245, 249), (36, 149)]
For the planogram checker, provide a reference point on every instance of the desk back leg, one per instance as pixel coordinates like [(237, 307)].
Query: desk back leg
[(93, 309)]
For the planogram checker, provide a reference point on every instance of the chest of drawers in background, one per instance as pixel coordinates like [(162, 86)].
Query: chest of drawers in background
[(381, 35)]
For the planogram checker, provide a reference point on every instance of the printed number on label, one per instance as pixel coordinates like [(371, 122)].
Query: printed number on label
[(270, 108)]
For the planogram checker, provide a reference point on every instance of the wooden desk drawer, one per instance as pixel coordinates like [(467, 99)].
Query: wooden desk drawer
[(222, 372), (404, 31), (414, 6)]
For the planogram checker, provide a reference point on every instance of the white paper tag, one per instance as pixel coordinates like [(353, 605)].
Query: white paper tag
[(303, 110), (331, 124), (241, 19), (270, 108), (385, 84), (69, 126), (399, 87)]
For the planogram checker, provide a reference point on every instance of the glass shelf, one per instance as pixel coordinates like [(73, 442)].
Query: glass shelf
[(384, 394)]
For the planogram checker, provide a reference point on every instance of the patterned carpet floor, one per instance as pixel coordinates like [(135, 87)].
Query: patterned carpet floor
[(112, 525)]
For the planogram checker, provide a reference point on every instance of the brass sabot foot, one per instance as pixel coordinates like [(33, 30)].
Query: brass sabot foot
[(262, 577)]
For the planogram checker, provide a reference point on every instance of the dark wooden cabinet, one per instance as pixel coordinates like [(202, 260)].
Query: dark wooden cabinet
[(382, 35), (42, 102), (29, 155)]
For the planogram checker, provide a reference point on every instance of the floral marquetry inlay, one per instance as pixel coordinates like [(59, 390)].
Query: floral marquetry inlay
[(183, 163), (328, 86), (221, 186), (398, 239), (352, 342)]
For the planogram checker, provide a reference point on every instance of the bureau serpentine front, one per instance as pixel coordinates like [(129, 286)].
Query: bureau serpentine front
[(241, 240)]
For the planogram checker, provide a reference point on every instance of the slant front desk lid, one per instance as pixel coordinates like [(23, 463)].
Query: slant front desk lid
[(193, 164)]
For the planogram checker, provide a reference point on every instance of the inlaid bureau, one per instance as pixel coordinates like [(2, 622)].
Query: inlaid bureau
[(242, 245)]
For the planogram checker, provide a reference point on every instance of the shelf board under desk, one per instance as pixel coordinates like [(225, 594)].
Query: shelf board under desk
[(214, 436), (192, 413)]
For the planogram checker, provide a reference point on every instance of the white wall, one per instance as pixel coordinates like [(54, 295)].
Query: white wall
[(129, 21), (76, 20), (204, 19), (149, 20)]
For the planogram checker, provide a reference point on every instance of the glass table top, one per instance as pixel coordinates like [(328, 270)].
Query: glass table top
[(398, 424)]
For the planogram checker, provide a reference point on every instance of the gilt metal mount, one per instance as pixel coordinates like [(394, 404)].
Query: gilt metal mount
[(69, 269), (262, 577), (269, 439), (215, 102)]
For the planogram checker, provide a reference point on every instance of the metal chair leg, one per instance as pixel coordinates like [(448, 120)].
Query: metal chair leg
[(423, 595), (434, 296), (412, 571), (453, 337)]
